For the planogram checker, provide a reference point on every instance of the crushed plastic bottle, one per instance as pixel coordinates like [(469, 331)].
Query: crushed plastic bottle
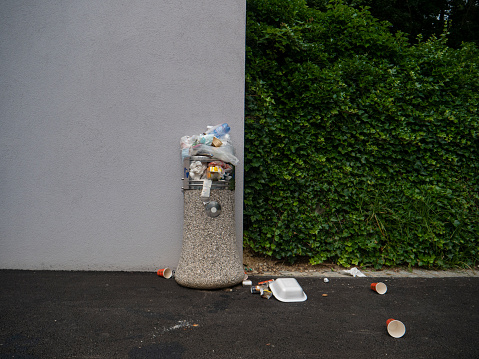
[(219, 130)]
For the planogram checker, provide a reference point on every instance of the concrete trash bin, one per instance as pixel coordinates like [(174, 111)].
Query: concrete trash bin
[(209, 257)]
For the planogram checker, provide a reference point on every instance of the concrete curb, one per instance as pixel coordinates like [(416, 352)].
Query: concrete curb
[(415, 273)]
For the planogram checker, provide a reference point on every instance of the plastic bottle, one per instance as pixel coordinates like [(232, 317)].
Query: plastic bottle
[(219, 130)]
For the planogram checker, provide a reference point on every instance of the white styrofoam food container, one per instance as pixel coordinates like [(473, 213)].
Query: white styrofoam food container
[(287, 290)]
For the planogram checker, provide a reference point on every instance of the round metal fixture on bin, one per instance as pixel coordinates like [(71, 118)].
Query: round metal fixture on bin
[(213, 209)]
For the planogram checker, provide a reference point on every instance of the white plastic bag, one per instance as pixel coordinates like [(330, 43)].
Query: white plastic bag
[(185, 143), (197, 170), (224, 153), (354, 272)]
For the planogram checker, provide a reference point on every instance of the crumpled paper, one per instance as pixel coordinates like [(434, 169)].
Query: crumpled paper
[(196, 170), (354, 272)]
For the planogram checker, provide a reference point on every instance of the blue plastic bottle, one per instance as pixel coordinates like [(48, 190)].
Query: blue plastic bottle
[(220, 130)]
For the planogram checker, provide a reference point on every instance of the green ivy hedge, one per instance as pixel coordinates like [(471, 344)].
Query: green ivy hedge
[(360, 148)]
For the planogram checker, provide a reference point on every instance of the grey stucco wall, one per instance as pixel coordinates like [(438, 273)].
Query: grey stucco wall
[(95, 97)]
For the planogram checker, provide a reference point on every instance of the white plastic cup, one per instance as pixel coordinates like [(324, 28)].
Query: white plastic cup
[(395, 328), (379, 287), (165, 272)]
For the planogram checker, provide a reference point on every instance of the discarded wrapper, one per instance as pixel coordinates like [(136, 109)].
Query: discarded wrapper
[(214, 173), (257, 290), (196, 170), (247, 282), (205, 192), (267, 294), (216, 142), (354, 272), (326, 280)]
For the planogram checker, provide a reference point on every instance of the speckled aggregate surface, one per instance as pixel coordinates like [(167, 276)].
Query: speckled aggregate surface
[(209, 257)]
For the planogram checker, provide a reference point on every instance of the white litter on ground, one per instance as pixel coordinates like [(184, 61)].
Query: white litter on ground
[(354, 272), (181, 324)]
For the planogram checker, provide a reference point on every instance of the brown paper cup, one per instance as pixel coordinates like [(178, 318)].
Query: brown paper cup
[(396, 328), (379, 287), (165, 272)]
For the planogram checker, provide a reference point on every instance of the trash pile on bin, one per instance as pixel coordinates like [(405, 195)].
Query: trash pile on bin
[(214, 170), (209, 160), (214, 142)]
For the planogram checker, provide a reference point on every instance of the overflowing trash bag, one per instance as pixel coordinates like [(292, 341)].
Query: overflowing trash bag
[(209, 160), (215, 143)]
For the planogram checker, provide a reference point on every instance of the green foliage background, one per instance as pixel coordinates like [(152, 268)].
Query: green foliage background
[(426, 17), (360, 148)]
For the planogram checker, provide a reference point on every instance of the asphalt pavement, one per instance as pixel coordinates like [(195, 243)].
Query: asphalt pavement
[(51, 314)]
